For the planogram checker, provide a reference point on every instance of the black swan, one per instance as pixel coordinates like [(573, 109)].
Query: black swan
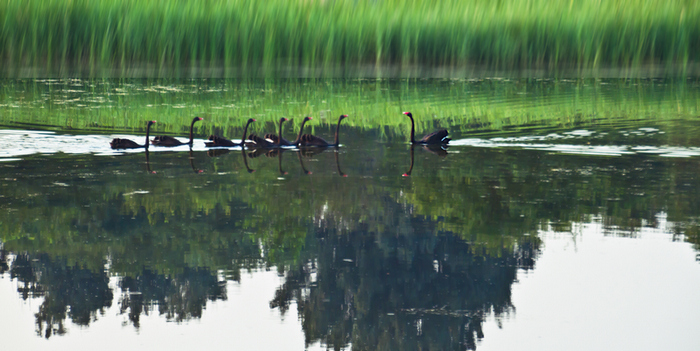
[(439, 137), (215, 140), (164, 140), (118, 143), (258, 142), (312, 140), (277, 138), (301, 130)]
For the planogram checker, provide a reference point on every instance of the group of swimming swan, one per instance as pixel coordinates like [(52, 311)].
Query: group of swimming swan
[(268, 141)]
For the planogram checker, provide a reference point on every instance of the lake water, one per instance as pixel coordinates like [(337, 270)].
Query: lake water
[(565, 214)]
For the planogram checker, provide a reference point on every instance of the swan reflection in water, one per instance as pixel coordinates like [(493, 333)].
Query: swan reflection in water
[(304, 153), (311, 152), (148, 164), (195, 169), (245, 162), (191, 158), (221, 152), (337, 164), (269, 153), (436, 149)]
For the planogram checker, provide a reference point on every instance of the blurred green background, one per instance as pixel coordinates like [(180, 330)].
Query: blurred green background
[(229, 38)]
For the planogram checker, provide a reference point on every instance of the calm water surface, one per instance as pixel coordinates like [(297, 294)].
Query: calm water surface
[(564, 215)]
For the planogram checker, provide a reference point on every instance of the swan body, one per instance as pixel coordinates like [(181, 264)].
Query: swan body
[(308, 140), (118, 143), (215, 140), (277, 138), (258, 142), (164, 140), (438, 137)]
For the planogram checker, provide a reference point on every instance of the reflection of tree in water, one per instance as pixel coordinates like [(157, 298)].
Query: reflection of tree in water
[(68, 291), (411, 290), (398, 275), (178, 297), (79, 294), (4, 267), (25, 274)]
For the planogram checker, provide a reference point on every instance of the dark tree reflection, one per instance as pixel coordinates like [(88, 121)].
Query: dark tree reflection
[(4, 266), (178, 297), (68, 291), (414, 290)]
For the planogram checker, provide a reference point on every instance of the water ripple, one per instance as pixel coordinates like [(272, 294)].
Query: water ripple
[(602, 150), (17, 143)]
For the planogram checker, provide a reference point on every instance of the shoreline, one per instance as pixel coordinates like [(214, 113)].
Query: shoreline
[(354, 71)]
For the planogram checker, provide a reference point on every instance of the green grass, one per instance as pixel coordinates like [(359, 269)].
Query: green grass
[(250, 35)]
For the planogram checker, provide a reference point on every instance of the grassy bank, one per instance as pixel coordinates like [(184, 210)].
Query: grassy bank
[(54, 34)]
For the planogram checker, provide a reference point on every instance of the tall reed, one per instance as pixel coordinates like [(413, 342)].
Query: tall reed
[(282, 34)]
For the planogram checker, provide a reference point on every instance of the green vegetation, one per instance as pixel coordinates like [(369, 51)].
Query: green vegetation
[(465, 107), (246, 35)]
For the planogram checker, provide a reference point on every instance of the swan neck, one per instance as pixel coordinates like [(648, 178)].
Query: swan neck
[(337, 128), (413, 130), (191, 131), (245, 132), (279, 133), (301, 130), (148, 134)]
